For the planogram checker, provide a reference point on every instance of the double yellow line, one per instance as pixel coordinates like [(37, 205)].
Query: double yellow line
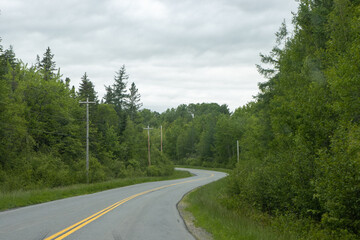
[(73, 228)]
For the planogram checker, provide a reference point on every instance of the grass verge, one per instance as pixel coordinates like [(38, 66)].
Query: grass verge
[(227, 218), (207, 206), (24, 198)]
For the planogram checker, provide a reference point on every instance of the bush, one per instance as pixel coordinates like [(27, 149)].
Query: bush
[(133, 169), (118, 169), (153, 171), (160, 165), (50, 171), (96, 171), (193, 162), (338, 184)]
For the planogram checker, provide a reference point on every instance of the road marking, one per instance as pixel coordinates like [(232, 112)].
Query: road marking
[(73, 228)]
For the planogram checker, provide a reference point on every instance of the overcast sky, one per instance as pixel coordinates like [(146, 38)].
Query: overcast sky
[(176, 51)]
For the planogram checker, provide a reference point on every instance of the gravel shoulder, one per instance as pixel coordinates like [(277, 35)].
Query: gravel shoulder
[(189, 220)]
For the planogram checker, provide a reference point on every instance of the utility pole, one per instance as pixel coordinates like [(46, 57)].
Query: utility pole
[(148, 129), (87, 137), (161, 139), (237, 147)]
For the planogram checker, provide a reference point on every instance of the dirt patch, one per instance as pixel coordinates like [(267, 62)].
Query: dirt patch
[(197, 232)]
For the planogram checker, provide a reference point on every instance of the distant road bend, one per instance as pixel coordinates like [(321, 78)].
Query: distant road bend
[(142, 211)]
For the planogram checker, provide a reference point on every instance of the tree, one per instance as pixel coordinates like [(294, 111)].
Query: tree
[(116, 95), (87, 89), (119, 90), (8, 60), (12, 123), (47, 66), (109, 96), (133, 102)]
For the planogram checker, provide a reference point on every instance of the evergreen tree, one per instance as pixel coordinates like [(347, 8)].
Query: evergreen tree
[(119, 92), (87, 89), (7, 60), (47, 66), (109, 96), (117, 96), (133, 102)]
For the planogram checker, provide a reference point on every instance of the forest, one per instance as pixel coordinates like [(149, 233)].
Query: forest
[(43, 128), (299, 139)]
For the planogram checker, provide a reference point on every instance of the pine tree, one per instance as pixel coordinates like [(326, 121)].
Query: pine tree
[(109, 96), (9, 56), (119, 90), (47, 66), (133, 102), (7, 60), (117, 96), (86, 89)]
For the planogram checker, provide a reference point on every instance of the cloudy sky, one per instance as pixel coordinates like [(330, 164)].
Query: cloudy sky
[(186, 51)]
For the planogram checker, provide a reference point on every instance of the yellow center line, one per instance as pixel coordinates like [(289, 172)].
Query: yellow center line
[(73, 228)]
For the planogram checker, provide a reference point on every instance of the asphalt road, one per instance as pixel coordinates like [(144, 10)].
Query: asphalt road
[(142, 211)]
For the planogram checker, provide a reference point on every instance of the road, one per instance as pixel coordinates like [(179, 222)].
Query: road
[(142, 211)]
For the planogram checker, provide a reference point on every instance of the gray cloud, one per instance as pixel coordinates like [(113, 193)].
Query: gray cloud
[(175, 51)]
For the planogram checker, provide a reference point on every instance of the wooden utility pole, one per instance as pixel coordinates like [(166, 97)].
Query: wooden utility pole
[(148, 129), (87, 137)]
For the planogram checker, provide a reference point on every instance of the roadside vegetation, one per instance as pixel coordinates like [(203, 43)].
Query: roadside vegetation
[(43, 128), (216, 211), (22, 198), (208, 206), (299, 139)]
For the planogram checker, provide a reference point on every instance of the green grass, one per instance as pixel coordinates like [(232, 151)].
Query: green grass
[(228, 218), (24, 198), (208, 208)]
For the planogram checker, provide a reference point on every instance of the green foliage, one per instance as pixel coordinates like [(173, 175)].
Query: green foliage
[(299, 141), (190, 134), (87, 89), (338, 185), (43, 129), (116, 94), (209, 206), (133, 104), (47, 66), (160, 165)]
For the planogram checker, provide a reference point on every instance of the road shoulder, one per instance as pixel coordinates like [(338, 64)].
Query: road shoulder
[(189, 220)]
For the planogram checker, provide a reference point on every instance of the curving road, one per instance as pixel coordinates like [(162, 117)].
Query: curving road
[(142, 211)]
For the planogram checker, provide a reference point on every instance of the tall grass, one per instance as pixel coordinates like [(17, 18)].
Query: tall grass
[(22, 198), (208, 207)]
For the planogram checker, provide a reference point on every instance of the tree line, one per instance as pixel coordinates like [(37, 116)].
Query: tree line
[(43, 127), (299, 139)]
